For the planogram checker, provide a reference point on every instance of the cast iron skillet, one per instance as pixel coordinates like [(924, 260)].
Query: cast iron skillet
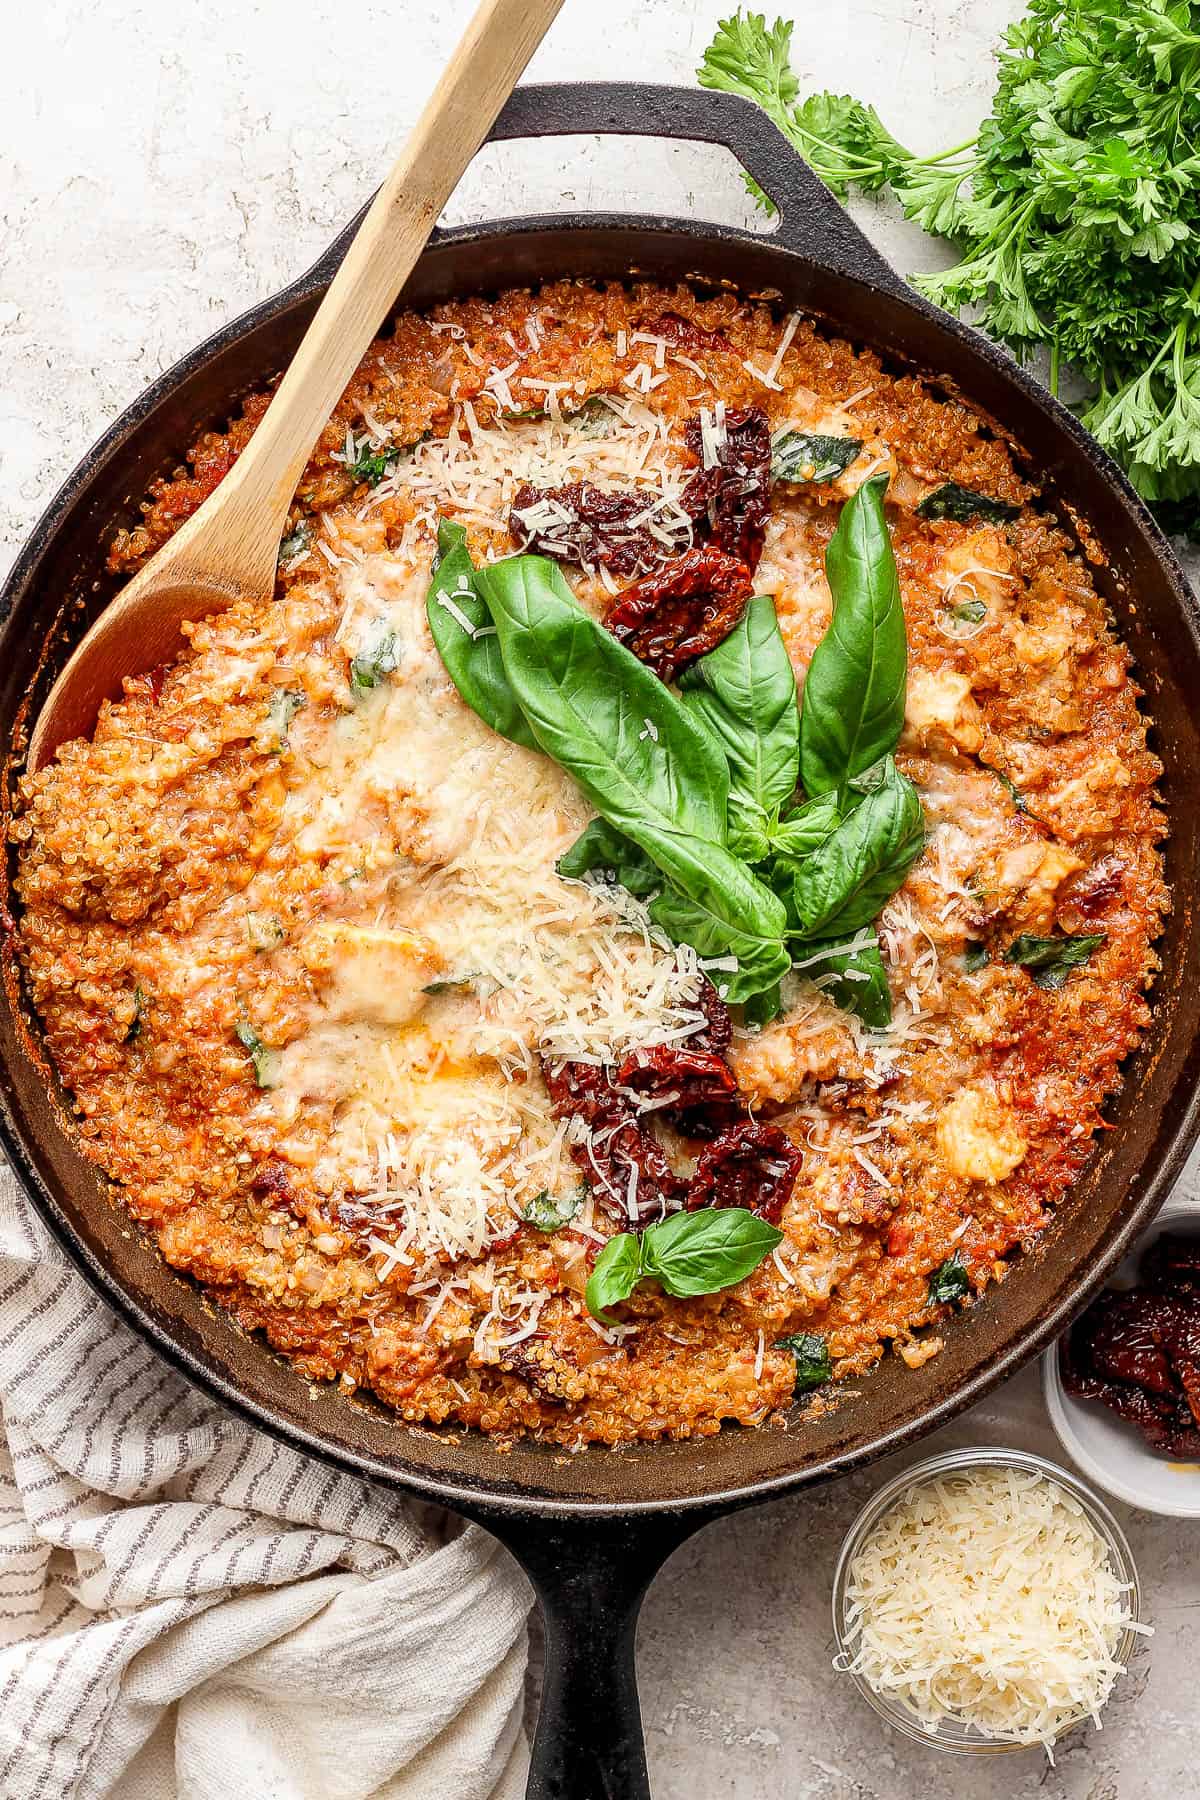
[(592, 1529)]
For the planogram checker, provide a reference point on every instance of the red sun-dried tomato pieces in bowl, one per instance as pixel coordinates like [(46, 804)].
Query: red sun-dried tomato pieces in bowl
[(681, 611)]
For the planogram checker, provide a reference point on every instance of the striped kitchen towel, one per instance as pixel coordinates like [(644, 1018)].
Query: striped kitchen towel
[(189, 1609)]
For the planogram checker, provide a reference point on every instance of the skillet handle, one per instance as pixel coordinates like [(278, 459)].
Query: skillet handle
[(811, 222), (591, 1576)]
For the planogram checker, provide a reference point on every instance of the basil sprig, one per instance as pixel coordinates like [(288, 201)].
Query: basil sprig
[(854, 976), (847, 882), (688, 1254), (853, 709), (600, 849), (697, 791)]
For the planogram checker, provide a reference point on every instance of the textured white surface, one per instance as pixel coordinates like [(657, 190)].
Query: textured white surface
[(163, 167)]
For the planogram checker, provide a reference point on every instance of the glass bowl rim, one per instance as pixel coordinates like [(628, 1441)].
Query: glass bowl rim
[(950, 1736)]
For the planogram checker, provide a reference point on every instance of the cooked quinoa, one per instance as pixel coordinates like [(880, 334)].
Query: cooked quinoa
[(298, 944)]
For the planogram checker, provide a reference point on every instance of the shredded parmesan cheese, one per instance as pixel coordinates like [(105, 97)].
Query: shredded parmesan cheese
[(987, 1597)]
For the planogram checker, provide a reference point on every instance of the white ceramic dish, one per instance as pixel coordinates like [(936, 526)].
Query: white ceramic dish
[(1110, 1452)]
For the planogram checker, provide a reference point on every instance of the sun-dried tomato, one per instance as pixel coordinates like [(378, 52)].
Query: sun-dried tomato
[(717, 1035), (731, 501), (750, 1165), (685, 334), (682, 610), (592, 526), (694, 1077), (616, 1144)]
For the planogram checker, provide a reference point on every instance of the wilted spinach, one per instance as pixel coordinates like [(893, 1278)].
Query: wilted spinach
[(963, 504), (811, 1355), (949, 1282), (1051, 959), (801, 456)]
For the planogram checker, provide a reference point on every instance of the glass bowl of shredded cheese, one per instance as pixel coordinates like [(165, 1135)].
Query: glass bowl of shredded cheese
[(986, 1601)]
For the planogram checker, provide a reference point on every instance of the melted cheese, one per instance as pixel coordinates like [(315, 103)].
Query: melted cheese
[(438, 1119)]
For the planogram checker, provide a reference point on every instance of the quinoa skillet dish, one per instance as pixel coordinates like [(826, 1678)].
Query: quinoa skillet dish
[(649, 917)]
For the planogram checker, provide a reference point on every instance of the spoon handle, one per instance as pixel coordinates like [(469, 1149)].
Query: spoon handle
[(232, 542)]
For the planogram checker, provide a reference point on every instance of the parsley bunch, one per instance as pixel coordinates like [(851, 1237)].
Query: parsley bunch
[(1075, 209)]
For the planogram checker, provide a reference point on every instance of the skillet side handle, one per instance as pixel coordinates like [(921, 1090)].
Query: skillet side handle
[(811, 221), (590, 1576)]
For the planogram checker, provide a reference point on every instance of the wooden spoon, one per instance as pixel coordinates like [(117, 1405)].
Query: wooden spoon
[(230, 546)]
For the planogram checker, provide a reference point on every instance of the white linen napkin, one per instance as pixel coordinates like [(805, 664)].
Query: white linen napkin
[(190, 1610)]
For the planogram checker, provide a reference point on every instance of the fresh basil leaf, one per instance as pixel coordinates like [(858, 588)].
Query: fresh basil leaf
[(701, 1252), (949, 1282), (854, 978), (759, 1010), (617, 1271), (744, 691), (285, 704), (471, 651), (963, 504), (545, 1213), (804, 456), (807, 828), (138, 1021), (1051, 959), (848, 881), (975, 956), (742, 918), (266, 1061), (811, 1354), (853, 706), (377, 658), (588, 701), (602, 848)]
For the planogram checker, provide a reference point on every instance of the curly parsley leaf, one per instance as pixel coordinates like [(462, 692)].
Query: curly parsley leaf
[(1074, 211)]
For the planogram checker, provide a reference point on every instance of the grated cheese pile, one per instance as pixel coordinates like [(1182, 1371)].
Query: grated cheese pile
[(988, 1598)]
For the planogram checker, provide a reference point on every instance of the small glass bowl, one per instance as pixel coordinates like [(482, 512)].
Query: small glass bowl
[(960, 1739)]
